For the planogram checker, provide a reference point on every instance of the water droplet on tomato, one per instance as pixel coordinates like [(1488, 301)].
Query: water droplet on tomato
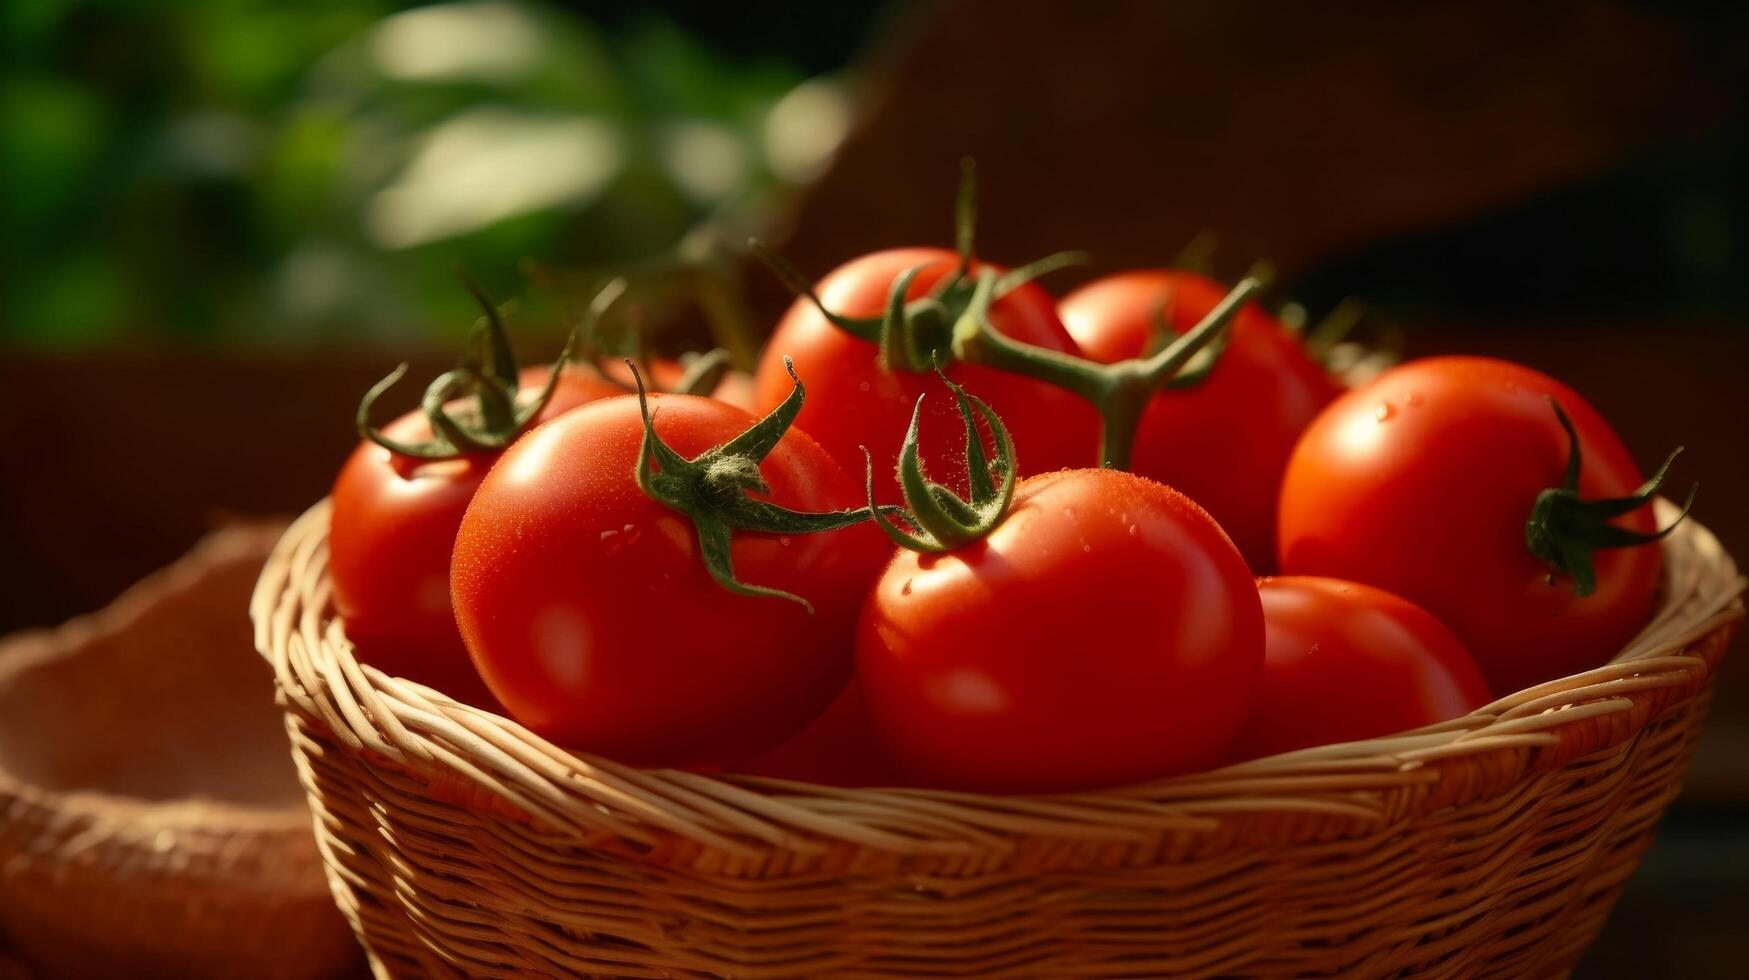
[(1134, 532), (783, 540), (630, 533), (1069, 512), (906, 588), (1384, 412), (1415, 398), (1087, 549), (862, 386)]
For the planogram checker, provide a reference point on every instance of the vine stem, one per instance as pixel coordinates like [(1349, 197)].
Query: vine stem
[(1119, 392)]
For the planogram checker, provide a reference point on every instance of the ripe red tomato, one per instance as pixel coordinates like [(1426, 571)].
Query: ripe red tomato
[(1223, 442), (1421, 483), (839, 748), (1345, 662), (590, 613), (395, 518), (855, 402), (1105, 632), (393, 521)]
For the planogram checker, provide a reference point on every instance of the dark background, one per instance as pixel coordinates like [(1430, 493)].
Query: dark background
[(195, 293)]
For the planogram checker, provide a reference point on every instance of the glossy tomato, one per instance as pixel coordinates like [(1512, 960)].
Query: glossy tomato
[(1105, 632), (855, 402), (1421, 483), (395, 518), (590, 613), (1225, 441), (393, 521), (1345, 662)]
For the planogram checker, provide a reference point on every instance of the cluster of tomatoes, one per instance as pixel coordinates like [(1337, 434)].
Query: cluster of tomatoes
[(1083, 492)]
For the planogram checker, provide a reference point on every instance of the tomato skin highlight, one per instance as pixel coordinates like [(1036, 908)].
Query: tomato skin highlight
[(390, 530), (1106, 632), (1226, 441), (1420, 483), (853, 402), (1345, 662), (590, 614)]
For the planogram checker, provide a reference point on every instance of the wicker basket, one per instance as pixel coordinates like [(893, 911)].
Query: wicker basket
[(182, 848), (1494, 845)]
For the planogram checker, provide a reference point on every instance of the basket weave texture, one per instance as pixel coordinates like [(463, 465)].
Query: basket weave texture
[(458, 842), (150, 825)]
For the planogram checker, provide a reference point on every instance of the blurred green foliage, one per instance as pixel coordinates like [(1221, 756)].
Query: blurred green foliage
[(237, 173)]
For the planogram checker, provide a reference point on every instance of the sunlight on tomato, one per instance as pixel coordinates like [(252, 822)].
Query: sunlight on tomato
[(1105, 632), (1345, 662)]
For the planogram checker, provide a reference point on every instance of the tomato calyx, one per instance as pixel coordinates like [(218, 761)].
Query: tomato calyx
[(488, 373), (915, 335), (712, 489), (942, 520), (1119, 391), (1564, 530)]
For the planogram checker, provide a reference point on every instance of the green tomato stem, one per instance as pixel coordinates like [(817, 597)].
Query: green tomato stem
[(942, 520), (1120, 392), (488, 372)]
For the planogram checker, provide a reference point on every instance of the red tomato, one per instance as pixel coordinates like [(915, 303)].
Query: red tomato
[(855, 402), (393, 521), (1345, 662), (590, 613), (839, 748), (1105, 632), (1225, 441), (395, 518), (1421, 482)]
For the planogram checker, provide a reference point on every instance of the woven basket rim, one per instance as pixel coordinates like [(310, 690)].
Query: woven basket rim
[(119, 816), (496, 764)]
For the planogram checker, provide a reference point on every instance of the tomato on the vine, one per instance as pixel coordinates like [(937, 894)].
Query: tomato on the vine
[(1451, 482), (860, 400), (1075, 629), (388, 555), (394, 517), (1105, 632), (1345, 662), (398, 500), (616, 622), (1224, 441)]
